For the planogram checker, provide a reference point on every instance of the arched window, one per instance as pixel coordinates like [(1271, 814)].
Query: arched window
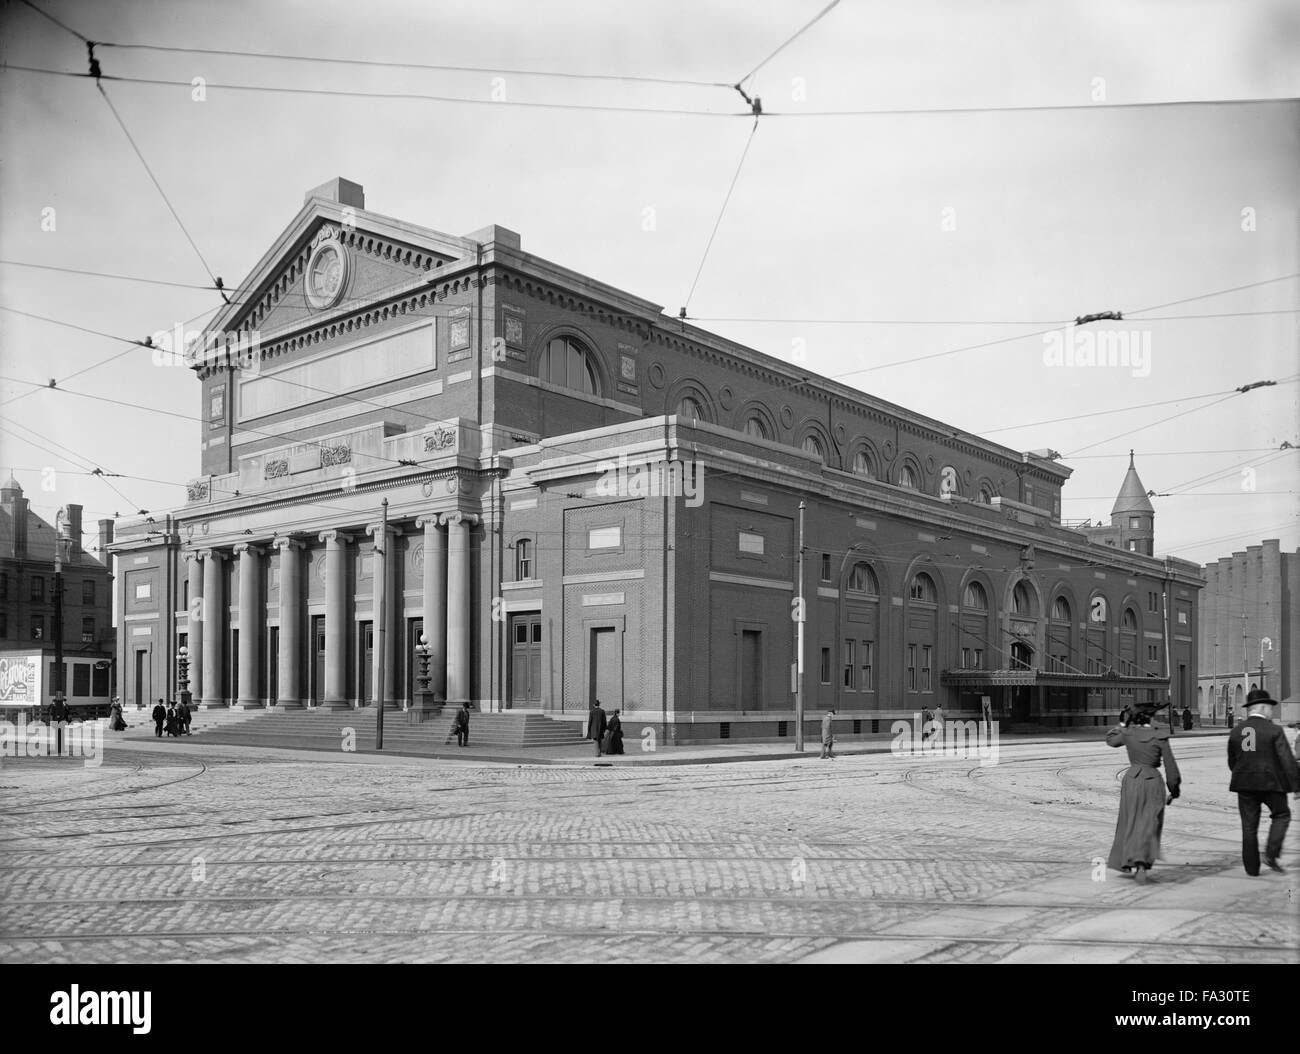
[(567, 363), (1061, 609), (975, 598), (813, 445), (907, 478), (986, 494), (690, 408), (1130, 621), (862, 465), (863, 580), (523, 559), (923, 588), (755, 427), (1022, 603)]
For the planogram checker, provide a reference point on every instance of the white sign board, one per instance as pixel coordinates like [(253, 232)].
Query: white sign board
[(20, 680)]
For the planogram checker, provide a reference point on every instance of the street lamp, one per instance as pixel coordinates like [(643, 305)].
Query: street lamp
[(1264, 642), (183, 673)]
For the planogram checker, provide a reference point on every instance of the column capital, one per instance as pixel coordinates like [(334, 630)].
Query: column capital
[(373, 529), (285, 541), (335, 537), (429, 519), (455, 519), (249, 548), (211, 554)]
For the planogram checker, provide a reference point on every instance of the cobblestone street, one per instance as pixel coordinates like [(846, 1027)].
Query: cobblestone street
[(200, 853)]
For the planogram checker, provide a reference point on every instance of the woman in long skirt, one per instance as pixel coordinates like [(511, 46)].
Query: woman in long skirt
[(1142, 793)]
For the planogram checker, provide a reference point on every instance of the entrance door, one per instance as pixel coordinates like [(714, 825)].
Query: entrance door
[(606, 682), (273, 666), (140, 658), (1022, 657), (318, 667), (525, 660), (367, 663), (751, 670)]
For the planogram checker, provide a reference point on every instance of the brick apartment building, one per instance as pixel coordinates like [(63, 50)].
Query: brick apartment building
[(27, 612), (589, 499)]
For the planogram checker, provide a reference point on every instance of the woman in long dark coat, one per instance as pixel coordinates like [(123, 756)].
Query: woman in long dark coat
[(1142, 793), (614, 735)]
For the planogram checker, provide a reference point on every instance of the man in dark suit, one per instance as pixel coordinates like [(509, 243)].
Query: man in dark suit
[(597, 725), (1263, 771), (159, 716)]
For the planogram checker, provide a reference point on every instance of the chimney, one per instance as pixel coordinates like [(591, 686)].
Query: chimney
[(105, 539), (72, 531), (344, 191)]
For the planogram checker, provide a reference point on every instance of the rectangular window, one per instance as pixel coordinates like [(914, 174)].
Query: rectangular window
[(750, 543), (826, 666), (1182, 618), (979, 659), (850, 664), (911, 667), (217, 407), (1134, 523), (1132, 547), (81, 679), (925, 668), (523, 560), (87, 631), (867, 648), (87, 590), (38, 587), (4, 585), (965, 659), (826, 567), (604, 537), (143, 590)]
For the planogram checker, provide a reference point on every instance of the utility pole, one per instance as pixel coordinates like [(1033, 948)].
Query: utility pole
[(802, 613), (1214, 684), (59, 687), (381, 622)]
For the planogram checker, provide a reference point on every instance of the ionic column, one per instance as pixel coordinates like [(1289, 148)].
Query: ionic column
[(290, 658), (194, 622), (250, 625), (435, 601), (384, 580), (458, 606), (213, 619), (336, 622)]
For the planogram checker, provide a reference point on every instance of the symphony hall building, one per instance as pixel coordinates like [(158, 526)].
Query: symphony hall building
[(587, 499)]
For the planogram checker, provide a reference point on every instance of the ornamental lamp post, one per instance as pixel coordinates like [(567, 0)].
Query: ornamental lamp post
[(1264, 642), (183, 674)]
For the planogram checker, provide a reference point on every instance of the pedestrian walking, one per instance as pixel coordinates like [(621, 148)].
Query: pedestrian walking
[(597, 725), (927, 723), (614, 734), (1142, 798), (116, 723), (1263, 771), (183, 717), (59, 716), (459, 727), (937, 718), (171, 718), (159, 716), (828, 735), (1187, 718)]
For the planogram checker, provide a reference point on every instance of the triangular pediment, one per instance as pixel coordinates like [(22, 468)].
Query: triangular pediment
[(329, 259)]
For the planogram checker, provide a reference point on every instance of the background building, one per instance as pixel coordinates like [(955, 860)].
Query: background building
[(1250, 630), (27, 609), (588, 499)]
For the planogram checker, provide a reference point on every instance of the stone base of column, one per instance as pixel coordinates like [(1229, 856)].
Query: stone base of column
[(250, 704), (214, 704), (336, 704), (289, 704)]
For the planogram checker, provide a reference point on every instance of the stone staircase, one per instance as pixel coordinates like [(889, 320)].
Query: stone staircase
[(326, 729)]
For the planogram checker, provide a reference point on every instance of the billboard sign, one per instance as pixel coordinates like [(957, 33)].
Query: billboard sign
[(20, 680)]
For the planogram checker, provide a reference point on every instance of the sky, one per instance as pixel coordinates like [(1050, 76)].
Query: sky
[(933, 193)]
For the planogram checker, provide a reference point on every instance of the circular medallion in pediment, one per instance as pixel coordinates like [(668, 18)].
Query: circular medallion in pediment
[(327, 273)]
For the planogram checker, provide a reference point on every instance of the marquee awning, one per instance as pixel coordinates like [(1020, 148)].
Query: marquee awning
[(1019, 678)]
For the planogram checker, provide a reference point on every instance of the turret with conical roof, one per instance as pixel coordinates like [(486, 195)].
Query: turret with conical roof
[(1134, 514)]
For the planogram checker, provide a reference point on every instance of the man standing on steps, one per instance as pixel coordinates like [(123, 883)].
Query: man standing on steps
[(1263, 770), (462, 726)]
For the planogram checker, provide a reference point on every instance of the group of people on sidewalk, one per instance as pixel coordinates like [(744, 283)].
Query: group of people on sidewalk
[(173, 717), (606, 730), (1263, 767)]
